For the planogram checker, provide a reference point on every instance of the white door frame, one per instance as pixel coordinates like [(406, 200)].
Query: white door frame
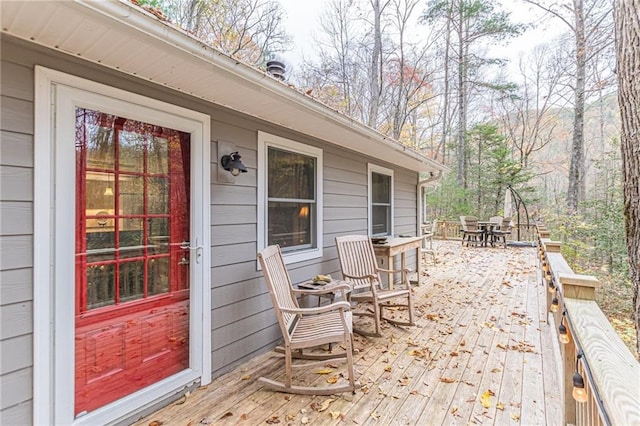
[(56, 97)]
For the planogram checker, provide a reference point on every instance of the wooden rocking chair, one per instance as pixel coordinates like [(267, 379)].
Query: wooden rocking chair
[(359, 267), (306, 328)]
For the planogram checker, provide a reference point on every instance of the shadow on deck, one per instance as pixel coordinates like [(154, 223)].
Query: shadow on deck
[(481, 353)]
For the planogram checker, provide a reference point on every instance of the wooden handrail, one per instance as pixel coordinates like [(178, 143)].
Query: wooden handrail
[(610, 371)]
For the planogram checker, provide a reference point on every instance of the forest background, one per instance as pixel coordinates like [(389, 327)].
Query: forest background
[(430, 75)]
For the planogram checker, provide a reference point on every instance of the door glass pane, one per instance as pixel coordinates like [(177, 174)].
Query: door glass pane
[(131, 280), (158, 156), (99, 134), (131, 192), (131, 238), (158, 235), (100, 286), (158, 275), (158, 196), (132, 149)]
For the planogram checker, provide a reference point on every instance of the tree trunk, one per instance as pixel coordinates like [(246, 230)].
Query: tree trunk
[(628, 64), (376, 63), (445, 109), (462, 110), (576, 191)]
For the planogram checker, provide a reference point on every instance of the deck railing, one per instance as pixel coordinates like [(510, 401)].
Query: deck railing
[(450, 230), (589, 346)]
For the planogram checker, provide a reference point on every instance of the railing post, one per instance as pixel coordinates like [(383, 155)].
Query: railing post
[(576, 286), (573, 286)]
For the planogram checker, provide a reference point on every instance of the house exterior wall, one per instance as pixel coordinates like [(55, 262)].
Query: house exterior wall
[(242, 319)]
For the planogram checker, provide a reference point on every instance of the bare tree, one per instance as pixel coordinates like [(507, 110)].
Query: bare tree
[(527, 115), (375, 69), (250, 30), (471, 21), (628, 63), (591, 28)]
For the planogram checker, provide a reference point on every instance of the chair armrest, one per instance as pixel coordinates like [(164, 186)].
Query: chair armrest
[(360, 277), (337, 306)]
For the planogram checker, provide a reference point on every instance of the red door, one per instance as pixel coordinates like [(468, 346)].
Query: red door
[(132, 260)]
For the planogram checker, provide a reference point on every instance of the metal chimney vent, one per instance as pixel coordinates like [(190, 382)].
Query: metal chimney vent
[(276, 69)]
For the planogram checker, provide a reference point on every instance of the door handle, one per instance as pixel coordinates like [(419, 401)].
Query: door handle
[(186, 245)]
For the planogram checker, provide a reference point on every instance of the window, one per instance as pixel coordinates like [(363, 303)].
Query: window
[(380, 200), (290, 194)]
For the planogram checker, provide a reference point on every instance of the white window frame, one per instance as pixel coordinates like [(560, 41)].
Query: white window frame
[(56, 97), (265, 141), (374, 168)]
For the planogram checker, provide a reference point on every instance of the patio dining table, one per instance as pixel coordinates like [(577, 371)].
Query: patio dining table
[(486, 226)]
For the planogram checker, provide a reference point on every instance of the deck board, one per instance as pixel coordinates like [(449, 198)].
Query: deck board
[(478, 324)]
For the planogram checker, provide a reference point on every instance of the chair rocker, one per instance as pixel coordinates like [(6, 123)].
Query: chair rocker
[(359, 267), (306, 328)]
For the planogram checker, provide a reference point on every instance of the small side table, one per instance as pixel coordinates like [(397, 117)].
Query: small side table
[(328, 290)]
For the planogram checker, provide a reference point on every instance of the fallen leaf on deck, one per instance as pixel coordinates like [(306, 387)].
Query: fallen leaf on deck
[(501, 346), (485, 399), (496, 370), (447, 380), (515, 416), (325, 404), (324, 371), (387, 369), (290, 416), (244, 417), (227, 414), (246, 377), (454, 409), (500, 406), (273, 420), (155, 423), (332, 380), (418, 353), (335, 414), (375, 415), (454, 353)]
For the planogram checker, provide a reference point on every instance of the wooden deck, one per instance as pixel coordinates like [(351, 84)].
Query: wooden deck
[(481, 353)]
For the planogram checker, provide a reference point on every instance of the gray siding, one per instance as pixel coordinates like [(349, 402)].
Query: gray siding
[(243, 323), (16, 245)]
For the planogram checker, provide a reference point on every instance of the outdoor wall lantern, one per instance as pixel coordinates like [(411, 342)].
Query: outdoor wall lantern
[(232, 164)]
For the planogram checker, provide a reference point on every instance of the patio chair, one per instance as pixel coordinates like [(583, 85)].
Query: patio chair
[(496, 222), (306, 328), (428, 232), (359, 267), (502, 231), (470, 231)]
